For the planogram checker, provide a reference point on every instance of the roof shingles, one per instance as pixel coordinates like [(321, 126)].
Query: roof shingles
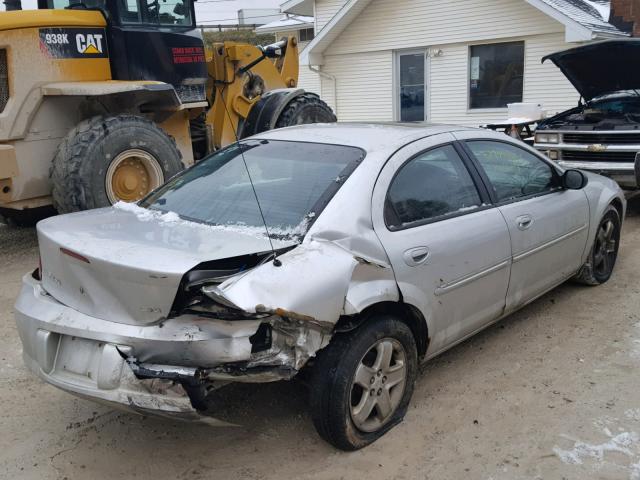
[(588, 13)]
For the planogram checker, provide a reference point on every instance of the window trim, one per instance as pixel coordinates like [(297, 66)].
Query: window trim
[(470, 109), (483, 193), (487, 181), (309, 34)]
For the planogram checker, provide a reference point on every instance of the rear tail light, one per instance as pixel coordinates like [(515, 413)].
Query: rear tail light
[(75, 255)]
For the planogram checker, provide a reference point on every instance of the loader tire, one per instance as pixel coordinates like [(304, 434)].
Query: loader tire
[(306, 108), (107, 159)]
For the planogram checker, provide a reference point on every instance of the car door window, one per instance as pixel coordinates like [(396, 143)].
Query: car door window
[(433, 184), (513, 172)]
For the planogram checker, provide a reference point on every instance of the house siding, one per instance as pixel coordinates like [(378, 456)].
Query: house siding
[(386, 25), (543, 83), (362, 57), (309, 80), (364, 86), (325, 10)]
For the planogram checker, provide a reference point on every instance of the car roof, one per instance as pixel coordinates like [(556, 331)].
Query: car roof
[(371, 137)]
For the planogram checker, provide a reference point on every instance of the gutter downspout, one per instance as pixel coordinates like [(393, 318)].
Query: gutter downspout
[(335, 85)]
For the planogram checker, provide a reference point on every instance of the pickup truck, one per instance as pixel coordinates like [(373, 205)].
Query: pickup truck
[(601, 134)]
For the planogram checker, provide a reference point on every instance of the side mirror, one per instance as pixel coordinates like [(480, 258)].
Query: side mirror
[(574, 180)]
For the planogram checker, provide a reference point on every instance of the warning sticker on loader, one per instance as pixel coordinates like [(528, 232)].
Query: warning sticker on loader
[(74, 42)]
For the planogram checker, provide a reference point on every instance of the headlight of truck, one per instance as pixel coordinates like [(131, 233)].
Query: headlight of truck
[(547, 138)]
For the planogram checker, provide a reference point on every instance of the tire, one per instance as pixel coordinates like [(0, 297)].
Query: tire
[(306, 108), (334, 388), (25, 218), (97, 148), (602, 257)]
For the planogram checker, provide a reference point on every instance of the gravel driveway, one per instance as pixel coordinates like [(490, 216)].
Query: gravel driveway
[(551, 392)]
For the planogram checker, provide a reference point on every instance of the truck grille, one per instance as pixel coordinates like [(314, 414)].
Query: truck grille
[(573, 156), (4, 80), (604, 138)]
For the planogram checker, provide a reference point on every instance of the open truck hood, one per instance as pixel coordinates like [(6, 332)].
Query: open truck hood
[(601, 68), (126, 265)]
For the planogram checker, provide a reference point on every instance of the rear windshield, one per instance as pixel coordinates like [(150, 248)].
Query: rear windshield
[(293, 182)]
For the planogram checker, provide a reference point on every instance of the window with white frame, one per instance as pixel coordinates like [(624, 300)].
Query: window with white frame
[(496, 72)]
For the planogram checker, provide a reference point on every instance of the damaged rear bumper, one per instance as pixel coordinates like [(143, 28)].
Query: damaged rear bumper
[(154, 368)]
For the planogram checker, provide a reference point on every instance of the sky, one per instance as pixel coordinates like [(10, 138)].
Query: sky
[(208, 11)]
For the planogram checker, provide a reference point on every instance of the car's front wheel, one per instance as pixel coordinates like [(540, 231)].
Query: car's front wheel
[(604, 252), (363, 381)]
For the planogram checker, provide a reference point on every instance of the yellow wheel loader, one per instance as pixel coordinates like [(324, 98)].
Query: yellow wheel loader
[(104, 100)]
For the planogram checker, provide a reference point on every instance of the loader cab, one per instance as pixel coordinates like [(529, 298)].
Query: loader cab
[(151, 40)]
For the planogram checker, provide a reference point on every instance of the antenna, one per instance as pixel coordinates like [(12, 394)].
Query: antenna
[(276, 262)]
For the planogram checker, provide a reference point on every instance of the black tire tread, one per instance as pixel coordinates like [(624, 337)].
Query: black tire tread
[(324, 382), (68, 184), (304, 101), (585, 275)]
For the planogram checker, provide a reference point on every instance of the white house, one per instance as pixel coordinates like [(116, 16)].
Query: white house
[(444, 61)]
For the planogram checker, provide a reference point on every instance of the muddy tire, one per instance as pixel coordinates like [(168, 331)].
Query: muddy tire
[(106, 159), (602, 258), (306, 108), (362, 382)]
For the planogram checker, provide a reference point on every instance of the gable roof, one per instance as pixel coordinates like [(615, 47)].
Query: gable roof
[(583, 20), (286, 23), (298, 7)]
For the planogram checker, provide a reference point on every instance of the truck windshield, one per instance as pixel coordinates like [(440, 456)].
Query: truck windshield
[(141, 12), (156, 12), (62, 4), (293, 181)]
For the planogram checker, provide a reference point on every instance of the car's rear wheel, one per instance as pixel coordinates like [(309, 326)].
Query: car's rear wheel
[(602, 258), (362, 382)]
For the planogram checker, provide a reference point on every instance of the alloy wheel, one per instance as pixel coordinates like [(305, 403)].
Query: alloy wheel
[(605, 248), (378, 385)]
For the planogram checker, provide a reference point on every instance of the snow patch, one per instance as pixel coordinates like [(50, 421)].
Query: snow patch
[(622, 443), (633, 414), (603, 8), (625, 443), (470, 207), (173, 219)]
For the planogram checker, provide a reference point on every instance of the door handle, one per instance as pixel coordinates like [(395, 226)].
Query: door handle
[(416, 256), (524, 222)]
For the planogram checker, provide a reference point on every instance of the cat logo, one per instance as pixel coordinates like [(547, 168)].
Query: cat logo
[(89, 44)]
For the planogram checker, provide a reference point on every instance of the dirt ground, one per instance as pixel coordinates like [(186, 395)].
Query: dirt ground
[(551, 392)]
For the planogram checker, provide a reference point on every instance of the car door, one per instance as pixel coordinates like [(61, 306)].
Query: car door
[(449, 249), (548, 225)]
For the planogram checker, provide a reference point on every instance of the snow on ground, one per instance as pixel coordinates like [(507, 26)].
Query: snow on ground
[(620, 450)]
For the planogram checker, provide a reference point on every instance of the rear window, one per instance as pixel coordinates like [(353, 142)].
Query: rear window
[(293, 182)]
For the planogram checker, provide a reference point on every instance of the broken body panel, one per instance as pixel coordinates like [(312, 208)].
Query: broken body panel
[(111, 278)]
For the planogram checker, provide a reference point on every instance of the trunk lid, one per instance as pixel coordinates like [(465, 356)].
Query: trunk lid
[(126, 265), (600, 68)]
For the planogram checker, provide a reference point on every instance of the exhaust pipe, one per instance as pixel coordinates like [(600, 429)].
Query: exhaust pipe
[(12, 5)]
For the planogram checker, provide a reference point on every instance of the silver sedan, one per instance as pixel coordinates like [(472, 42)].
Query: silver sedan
[(353, 252)]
